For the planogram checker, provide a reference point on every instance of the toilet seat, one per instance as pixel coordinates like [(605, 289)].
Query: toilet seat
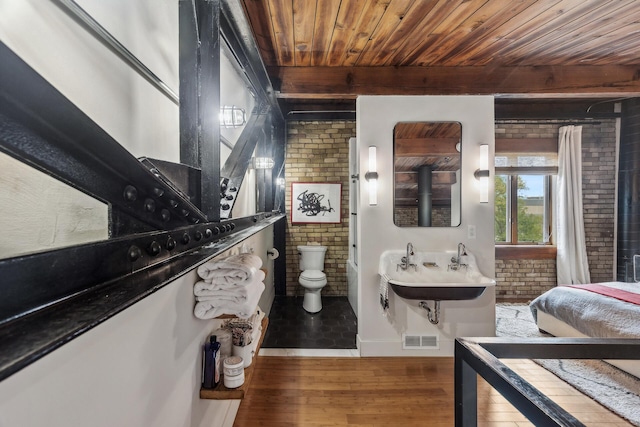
[(313, 275), (312, 281)]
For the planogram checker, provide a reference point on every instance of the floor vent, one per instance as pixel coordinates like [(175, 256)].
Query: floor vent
[(420, 342)]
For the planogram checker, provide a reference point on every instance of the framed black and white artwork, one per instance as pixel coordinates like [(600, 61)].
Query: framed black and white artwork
[(315, 202)]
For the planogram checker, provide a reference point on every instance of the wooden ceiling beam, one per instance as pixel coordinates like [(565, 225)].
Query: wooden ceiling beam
[(538, 81)]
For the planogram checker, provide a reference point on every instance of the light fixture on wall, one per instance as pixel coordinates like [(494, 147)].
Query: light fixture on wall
[(232, 116), (262, 163), (280, 182), (372, 176), (482, 174)]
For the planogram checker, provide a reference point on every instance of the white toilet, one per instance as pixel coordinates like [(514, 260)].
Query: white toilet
[(312, 278)]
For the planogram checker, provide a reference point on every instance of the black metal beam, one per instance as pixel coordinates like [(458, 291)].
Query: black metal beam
[(556, 109), (563, 348), (53, 297), (264, 177), (34, 281), (235, 168), (480, 355), (465, 392), (189, 42), (329, 115), (42, 128), (208, 17)]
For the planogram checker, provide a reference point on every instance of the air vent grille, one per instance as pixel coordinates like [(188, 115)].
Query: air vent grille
[(420, 342)]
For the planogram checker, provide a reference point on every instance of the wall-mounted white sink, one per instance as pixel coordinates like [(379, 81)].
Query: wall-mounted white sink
[(431, 278)]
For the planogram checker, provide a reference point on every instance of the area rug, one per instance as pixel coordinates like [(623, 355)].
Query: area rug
[(606, 384)]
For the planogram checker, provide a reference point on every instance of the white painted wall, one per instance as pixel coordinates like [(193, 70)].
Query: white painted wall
[(376, 117), (38, 212), (117, 98), (140, 368)]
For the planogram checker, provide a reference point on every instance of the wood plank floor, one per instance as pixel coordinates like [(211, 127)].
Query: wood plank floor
[(309, 391)]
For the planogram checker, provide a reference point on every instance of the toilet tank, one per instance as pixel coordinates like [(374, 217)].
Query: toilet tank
[(312, 257)]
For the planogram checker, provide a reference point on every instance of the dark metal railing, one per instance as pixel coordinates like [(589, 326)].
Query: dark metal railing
[(480, 356)]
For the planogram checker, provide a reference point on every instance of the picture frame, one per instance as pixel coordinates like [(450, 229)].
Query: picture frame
[(316, 202)]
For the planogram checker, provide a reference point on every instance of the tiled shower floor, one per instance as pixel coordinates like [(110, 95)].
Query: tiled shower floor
[(290, 326)]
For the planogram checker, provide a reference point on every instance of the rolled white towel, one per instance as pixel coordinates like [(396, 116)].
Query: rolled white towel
[(237, 295), (234, 269), (203, 288), (216, 307)]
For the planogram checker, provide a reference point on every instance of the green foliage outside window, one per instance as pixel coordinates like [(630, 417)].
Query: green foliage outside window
[(530, 226), (500, 217)]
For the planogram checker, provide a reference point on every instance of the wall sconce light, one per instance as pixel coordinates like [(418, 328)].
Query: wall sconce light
[(372, 176), (262, 163), (482, 174), (232, 116), (280, 182)]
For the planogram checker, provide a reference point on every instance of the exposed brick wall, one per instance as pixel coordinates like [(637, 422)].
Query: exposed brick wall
[(318, 151), (598, 197), (526, 279)]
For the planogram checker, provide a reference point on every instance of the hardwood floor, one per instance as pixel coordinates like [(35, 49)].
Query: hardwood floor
[(312, 391)]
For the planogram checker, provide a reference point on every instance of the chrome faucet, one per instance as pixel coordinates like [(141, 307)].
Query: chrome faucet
[(455, 261), (405, 261), (462, 250)]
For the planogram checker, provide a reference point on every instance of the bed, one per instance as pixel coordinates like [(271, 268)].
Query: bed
[(602, 310)]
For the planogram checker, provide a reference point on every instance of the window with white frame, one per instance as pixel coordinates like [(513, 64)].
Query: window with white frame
[(524, 187)]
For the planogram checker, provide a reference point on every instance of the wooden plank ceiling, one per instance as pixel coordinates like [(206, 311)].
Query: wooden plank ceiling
[(337, 49)]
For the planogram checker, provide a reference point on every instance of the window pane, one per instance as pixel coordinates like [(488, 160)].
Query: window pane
[(501, 209), (531, 208)]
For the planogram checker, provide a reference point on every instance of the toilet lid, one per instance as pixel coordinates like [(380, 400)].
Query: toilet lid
[(313, 275)]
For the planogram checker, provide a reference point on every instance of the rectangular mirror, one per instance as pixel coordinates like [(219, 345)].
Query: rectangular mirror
[(426, 163)]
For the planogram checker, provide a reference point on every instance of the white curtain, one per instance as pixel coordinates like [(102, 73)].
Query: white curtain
[(572, 264)]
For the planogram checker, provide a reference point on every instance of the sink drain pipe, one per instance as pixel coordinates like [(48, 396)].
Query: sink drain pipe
[(433, 314)]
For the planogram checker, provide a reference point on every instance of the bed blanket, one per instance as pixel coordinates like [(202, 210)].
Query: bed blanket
[(610, 292), (592, 314)]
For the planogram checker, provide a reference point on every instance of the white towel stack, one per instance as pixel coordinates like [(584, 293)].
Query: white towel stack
[(232, 285)]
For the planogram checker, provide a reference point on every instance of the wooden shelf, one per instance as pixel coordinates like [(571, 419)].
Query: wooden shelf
[(221, 392)]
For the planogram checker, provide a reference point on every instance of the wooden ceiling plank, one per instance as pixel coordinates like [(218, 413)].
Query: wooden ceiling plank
[(529, 54), (581, 38), (627, 55), (369, 21), (255, 11), (446, 17), (445, 32), (346, 23), (281, 13), (499, 32), (530, 31), (389, 25), (492, 14), (304, 17), (622, 37), (547, 81), (326, 16)]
